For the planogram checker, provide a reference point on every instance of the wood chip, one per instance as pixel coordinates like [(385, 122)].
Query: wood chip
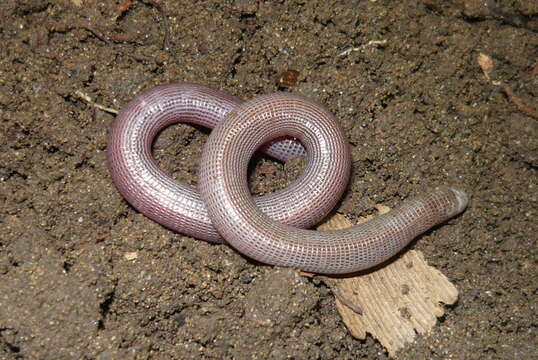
[(392, 303), (130, 255)]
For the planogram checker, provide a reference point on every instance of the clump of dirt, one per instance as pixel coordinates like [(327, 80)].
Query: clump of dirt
[(84, 275)]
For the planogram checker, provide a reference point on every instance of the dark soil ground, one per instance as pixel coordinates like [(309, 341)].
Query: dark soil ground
[(403, 79)]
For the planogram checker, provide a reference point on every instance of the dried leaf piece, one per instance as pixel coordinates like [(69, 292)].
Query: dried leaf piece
[(288, 78), (486, 63), (392, 303)]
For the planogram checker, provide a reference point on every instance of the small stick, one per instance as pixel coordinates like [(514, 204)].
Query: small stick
[(369, 43), (518, 102), (89, 100)]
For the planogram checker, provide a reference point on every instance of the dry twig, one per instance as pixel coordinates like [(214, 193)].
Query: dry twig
[(89, 100)]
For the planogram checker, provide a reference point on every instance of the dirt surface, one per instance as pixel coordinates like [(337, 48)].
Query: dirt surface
[(85, 276)]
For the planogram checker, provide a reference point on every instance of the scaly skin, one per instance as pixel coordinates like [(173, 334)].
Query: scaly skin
[(266, 228), (223, 187), (177, 205)]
